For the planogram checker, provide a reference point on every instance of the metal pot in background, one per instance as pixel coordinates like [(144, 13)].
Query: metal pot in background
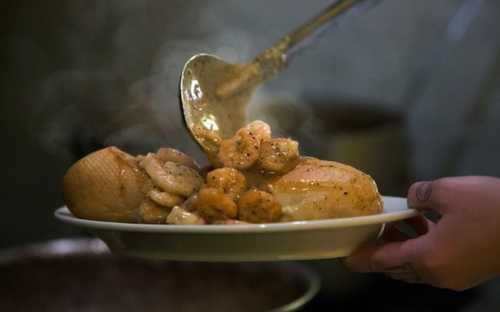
[(81, 275), (368, 138)]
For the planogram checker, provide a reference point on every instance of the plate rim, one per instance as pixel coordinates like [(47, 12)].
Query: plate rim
[(64, 215)]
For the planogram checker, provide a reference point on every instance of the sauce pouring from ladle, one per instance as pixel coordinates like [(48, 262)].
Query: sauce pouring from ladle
[(215, 94)]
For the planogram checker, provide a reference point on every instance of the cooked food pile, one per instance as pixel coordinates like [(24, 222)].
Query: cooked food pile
[(255, 179)]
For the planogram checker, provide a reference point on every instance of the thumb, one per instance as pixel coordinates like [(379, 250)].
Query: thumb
[(430, 195)]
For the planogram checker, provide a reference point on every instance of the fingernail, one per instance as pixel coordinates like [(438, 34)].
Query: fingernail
[(423, 191), (419, 194)]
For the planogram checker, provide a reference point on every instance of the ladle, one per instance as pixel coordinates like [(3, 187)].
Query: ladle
[(215, 94)]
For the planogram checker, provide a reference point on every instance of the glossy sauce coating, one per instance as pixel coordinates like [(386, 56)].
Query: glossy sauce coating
[(264, 179)]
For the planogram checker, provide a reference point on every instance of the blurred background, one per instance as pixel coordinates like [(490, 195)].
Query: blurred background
[(409, 90)]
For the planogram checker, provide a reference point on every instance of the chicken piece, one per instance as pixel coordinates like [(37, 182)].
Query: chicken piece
[(151, 212), (106, 185), (243, 149), (172, 178), (165, 154), (279, 155), (229, 180), (181, 216), (212, 204), (258, 207), (318, 189), (165, 199)]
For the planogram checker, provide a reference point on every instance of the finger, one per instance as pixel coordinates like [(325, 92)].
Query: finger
[(393, 234), (373, 258), (406, 274), (426, 195), (419, 224), (404, 230)]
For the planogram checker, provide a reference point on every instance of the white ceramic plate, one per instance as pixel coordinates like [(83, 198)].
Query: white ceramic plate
[(301, 240)]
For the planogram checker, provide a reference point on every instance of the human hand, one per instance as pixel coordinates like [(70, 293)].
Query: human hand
[(460, 251)]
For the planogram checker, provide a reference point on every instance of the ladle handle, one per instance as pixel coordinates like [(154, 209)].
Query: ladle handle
[(270, 62), (327, 19)]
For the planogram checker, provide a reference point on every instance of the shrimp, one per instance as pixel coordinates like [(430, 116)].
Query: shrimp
[(165, 154), (139, 158), (165, 199), (258, 207), (172, 178), (229, 180), (260, 129), (243, 149), (279, 155), (211, 139), (189, 203), (150, 212), (181, 180), (179, 215), (212, 204)]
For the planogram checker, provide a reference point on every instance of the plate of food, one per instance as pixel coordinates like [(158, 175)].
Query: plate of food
[(259, 201)]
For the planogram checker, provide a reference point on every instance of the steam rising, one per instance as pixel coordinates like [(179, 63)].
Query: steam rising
[(120, 83), (107, 71)]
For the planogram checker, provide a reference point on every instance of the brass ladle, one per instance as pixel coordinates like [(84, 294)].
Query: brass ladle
[(215, 94)]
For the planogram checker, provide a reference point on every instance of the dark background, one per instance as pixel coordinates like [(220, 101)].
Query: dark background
[(412, 86)]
